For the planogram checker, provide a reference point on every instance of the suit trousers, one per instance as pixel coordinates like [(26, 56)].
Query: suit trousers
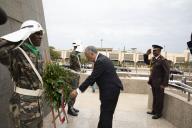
[(107, 109), (158, 99)]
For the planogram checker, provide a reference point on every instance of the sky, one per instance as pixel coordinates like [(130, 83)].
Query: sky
[(120, 24)]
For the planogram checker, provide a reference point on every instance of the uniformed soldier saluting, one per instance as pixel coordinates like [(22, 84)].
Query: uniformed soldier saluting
[(75, 65), (19, 52), (158, 79)]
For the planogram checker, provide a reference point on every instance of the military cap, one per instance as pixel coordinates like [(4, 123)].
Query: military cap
[(27, 28), (75, 44), (157, 46)]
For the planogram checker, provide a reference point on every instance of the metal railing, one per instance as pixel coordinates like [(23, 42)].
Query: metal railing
[(181, 86)]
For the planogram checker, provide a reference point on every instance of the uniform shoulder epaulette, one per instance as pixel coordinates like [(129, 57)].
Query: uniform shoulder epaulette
[(163, 58)]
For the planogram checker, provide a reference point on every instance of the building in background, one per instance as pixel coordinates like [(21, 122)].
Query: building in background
[(131, 58), (17, 11)]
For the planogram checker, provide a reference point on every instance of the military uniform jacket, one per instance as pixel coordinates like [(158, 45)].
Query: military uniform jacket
[(159, 74), (21, 71), (75, 61)]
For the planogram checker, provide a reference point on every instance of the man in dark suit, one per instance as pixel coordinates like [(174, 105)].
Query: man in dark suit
[(158, 79), (109, 84)]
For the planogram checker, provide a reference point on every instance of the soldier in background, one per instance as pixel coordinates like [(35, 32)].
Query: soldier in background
[(158, 79), (19, 52), (75, 65)]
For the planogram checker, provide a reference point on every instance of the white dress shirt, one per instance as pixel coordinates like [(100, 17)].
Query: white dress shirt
[(157, 57)]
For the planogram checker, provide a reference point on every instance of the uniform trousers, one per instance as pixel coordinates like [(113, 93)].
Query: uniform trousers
[(158, 99)]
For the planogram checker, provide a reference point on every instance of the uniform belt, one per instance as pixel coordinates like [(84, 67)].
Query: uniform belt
[(28, 92)]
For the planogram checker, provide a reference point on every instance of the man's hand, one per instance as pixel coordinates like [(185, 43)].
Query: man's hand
[(73, 94), (148, 51)]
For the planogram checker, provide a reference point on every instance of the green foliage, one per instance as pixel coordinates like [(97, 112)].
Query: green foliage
[(54, 54), (56, 79)]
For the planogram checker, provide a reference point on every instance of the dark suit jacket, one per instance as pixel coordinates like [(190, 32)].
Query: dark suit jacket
[(159, 71), (104, 74)]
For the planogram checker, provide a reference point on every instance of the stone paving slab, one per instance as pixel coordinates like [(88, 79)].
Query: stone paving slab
[(130, 113)]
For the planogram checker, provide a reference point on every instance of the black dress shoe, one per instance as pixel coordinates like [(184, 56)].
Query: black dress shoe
[(151, 113), (157, 116), (72, 112), (76, 110)]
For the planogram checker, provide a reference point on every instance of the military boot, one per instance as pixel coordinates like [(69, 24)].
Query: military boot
[(72, 112), (76, 110)]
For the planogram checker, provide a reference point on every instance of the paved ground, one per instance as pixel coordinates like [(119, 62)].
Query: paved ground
[(130, 113)]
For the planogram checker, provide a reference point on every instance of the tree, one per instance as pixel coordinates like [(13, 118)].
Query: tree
[(55, 55)]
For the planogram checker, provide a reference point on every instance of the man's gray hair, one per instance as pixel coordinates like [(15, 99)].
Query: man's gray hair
[(91, 49)]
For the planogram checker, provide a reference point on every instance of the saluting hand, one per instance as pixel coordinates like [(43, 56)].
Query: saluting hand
[(148, 51), (73, 94)]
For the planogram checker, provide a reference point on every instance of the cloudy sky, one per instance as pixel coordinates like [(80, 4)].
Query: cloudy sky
[(120, 23)]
